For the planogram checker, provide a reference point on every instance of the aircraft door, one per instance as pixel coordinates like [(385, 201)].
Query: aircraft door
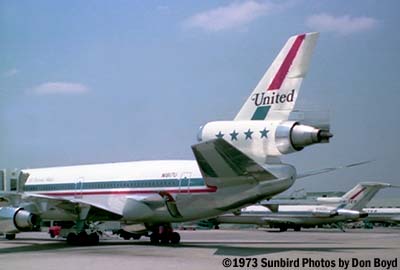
[(78, 188), (184, 182)]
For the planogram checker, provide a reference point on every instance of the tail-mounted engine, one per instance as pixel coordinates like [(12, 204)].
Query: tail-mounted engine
[(291, 136), (322, 212), (13, 220), (352, 214), (260, 139)]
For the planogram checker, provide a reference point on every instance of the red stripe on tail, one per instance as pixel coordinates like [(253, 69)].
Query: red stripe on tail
[(284, 68), (358, 193)]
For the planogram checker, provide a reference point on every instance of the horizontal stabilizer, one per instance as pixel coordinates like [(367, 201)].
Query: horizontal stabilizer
[(220, 160)]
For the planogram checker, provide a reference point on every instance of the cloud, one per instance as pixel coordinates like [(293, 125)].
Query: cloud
[(50, 88), (10, 72), (343, 25), (228, 17)]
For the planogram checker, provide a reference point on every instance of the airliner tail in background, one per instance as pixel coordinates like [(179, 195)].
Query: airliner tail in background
[(358, 197)]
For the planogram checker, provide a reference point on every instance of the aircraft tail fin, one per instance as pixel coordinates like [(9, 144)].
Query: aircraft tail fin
[(358, 197), (275, 95)]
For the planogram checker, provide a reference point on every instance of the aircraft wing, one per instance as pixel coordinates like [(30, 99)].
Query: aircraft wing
[(40, 204), (279, 220), (396, 219), (218, 159), (9, 198)]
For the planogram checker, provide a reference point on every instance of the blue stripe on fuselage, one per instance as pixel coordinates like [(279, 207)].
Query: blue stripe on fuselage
[(88, 185)]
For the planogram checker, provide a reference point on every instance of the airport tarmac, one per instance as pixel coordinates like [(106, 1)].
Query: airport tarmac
[(207, 249)]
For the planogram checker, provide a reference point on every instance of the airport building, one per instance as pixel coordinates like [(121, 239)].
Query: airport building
[(9, 179)]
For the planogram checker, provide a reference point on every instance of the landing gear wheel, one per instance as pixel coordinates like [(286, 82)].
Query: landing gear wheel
[(10, 236), (136, 236), (82, 238), (164, 238), (93, 239), (72, 239), (164, 234), (282, 228), (126, 237), (175, 238), (297, 228), (155, 238)]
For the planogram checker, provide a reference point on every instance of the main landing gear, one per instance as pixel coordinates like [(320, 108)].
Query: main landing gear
[(283, 228), (164, 235), (297, 228), (83, 238), (10, 236), (128, 235)]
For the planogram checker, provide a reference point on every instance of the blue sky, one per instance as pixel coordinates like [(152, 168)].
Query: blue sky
[(103, 81)]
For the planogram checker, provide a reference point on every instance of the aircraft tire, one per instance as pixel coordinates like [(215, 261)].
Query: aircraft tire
[(82, 238), (126, 237), (72, 239), (175, 238), (10, 236), (155, 238), (165, 238), (93, 239), (297, 228), (136, 236)]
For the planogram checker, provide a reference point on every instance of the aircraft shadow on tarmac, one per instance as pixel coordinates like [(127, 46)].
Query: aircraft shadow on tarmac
[(222, 248)]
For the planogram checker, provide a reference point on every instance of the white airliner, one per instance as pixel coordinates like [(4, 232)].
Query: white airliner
[(334, 210), (237, 164), (386, 215)]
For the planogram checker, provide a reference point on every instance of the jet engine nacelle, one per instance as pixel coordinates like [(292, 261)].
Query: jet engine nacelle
[(260, 139), (352, 214), (292, 136), (324, 212), (13, 220)]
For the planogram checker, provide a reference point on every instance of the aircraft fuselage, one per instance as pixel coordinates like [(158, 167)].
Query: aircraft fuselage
[(171, 191)]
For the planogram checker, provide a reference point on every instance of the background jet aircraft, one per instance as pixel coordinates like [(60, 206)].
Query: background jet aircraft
[(384, 215), (237, 164), (338, 209)]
